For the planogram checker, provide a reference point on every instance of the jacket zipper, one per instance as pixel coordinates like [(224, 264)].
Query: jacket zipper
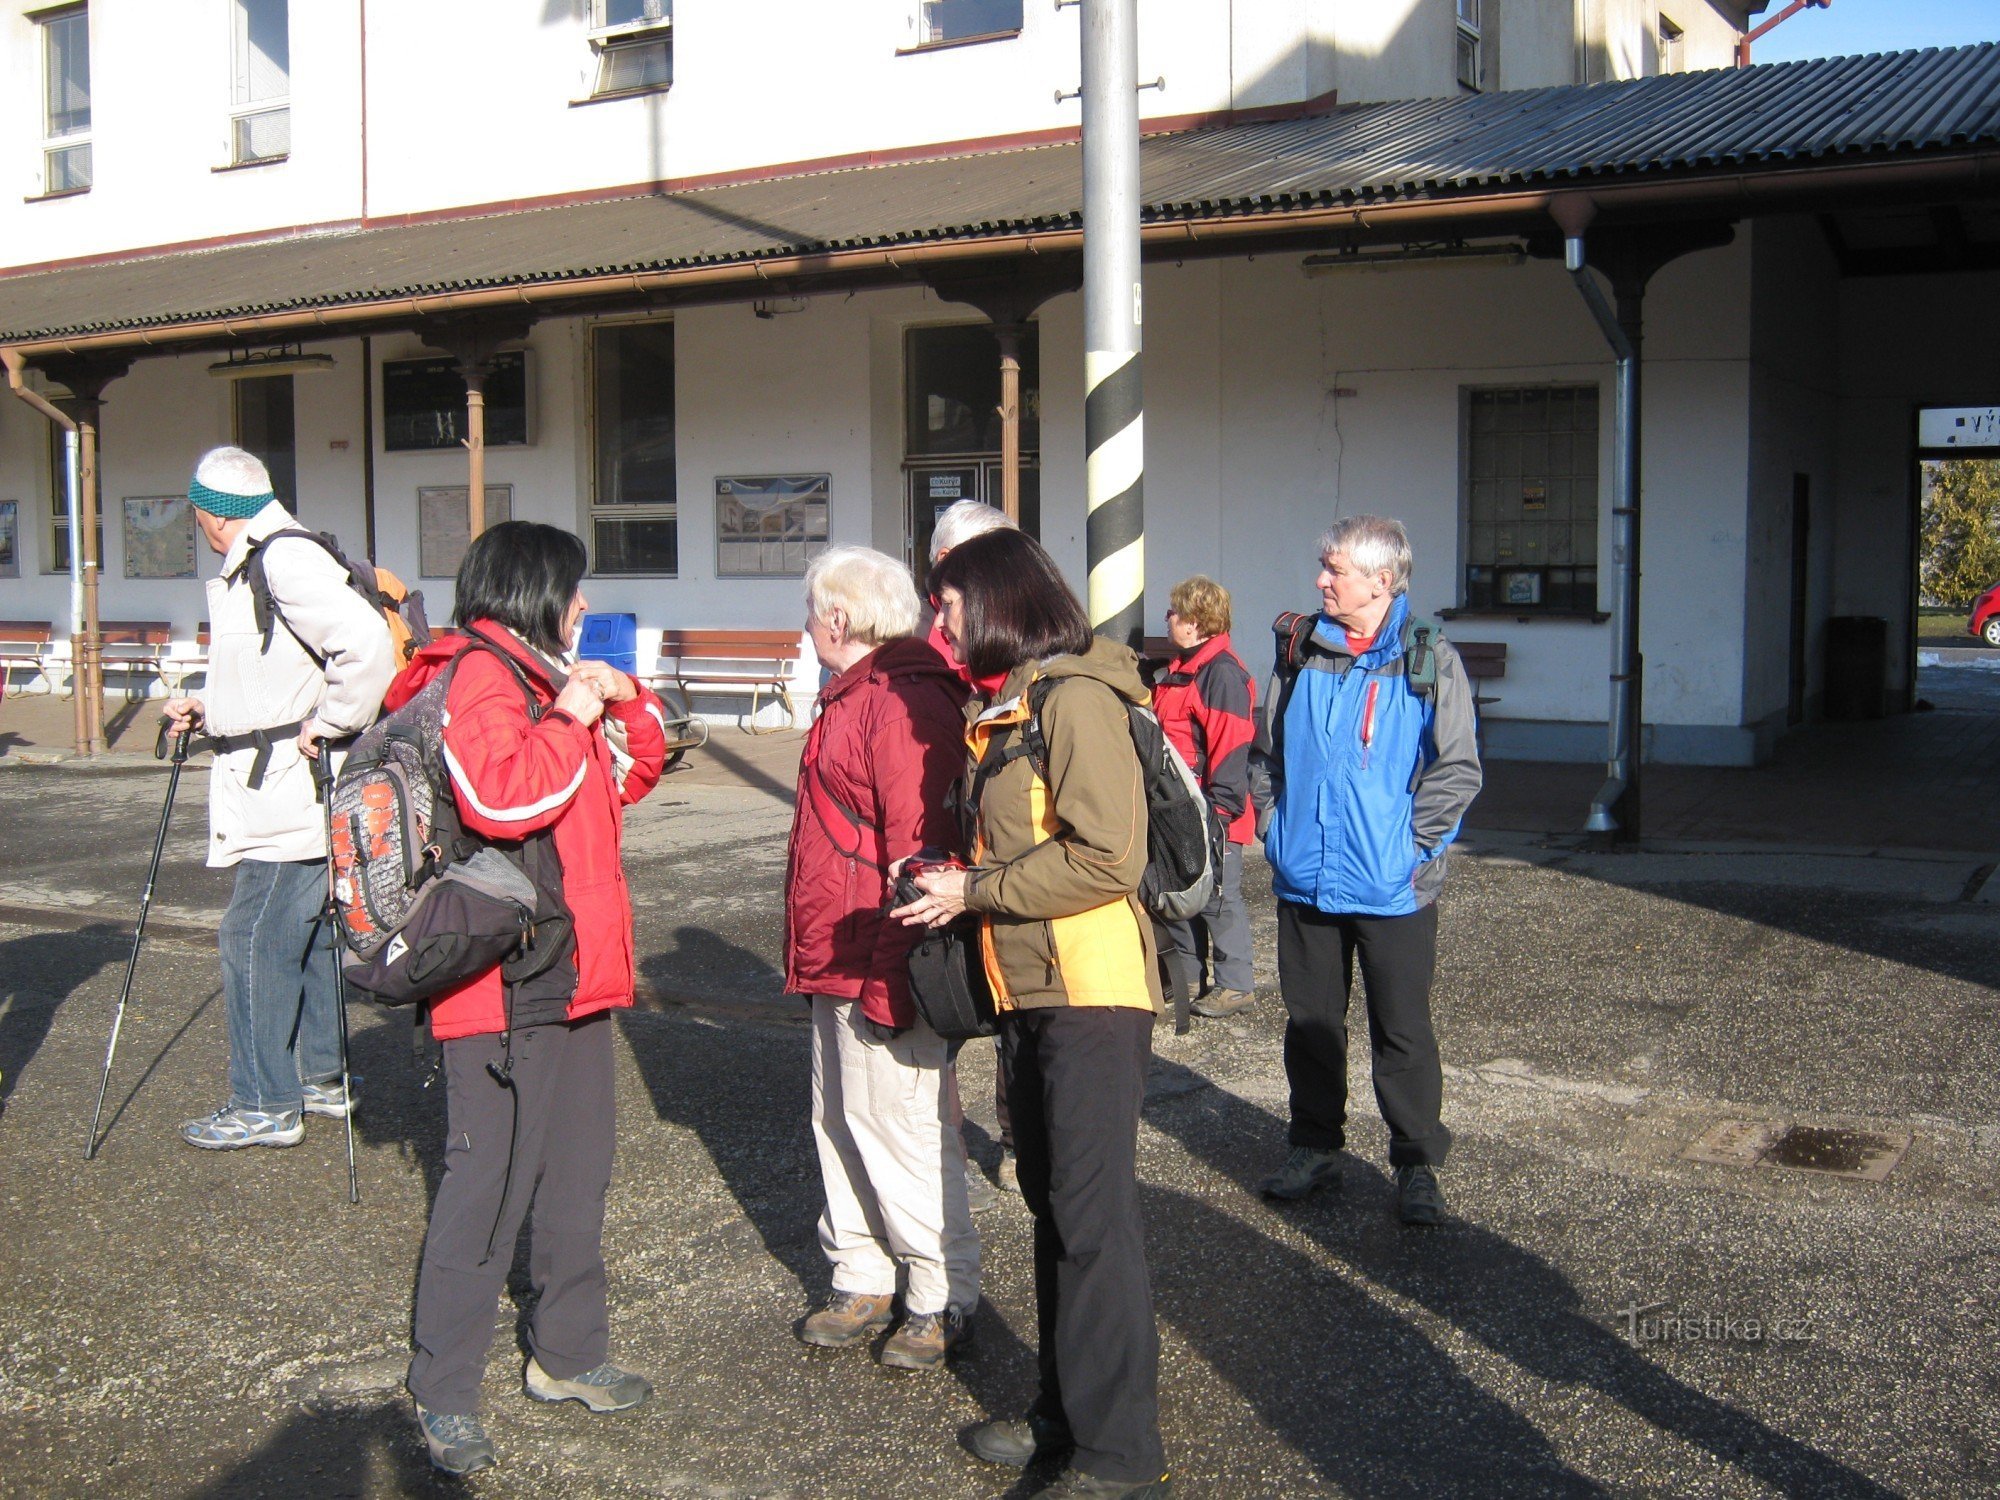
[(1368, 720)]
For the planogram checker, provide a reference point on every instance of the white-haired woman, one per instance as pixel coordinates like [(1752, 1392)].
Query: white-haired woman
[(887, 743)]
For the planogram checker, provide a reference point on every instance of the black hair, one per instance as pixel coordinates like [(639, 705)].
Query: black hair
[(523, 575), (1017, 606)]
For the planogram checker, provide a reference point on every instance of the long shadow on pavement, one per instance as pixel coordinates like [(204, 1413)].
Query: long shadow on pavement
[(38, 973), (1510, 1300), (344, 1451)]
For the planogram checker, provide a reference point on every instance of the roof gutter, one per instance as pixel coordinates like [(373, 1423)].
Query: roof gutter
[(1723, 195)]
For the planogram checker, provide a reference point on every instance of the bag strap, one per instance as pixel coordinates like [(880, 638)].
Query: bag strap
[(821, 797)]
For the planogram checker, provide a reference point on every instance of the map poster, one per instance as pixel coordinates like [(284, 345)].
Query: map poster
[(444, 530), (10, 539), (769, 525), (159, 537)]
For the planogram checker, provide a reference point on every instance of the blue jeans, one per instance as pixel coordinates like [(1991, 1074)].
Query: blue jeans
[(277, 977)]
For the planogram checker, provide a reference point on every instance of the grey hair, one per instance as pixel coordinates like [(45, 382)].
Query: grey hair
[(233, 471), (1374, 544), (872, 589), (962, 521)]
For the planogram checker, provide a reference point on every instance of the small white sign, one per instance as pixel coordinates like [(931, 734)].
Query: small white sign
[(1959, 427)]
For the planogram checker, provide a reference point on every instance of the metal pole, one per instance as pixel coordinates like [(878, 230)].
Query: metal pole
[(86, 427), (1113, 408), (1010, 420), (73, 508)]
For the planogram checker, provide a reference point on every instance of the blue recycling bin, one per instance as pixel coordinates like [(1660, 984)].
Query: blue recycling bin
[(613, 639)]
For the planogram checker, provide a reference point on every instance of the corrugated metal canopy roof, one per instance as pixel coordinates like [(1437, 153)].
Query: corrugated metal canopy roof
[(1888, 106)]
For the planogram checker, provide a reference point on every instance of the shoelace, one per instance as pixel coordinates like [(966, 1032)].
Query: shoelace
[(451, 1428)]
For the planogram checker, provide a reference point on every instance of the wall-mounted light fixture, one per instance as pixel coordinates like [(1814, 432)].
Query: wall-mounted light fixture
[(286, 359), (771, 307), (1417, 257)]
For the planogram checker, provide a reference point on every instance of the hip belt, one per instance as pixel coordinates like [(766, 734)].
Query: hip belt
[(260, 740)]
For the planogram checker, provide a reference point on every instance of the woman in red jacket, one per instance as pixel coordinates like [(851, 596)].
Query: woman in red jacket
[(888, 743), (543, 761), (1206, 701)]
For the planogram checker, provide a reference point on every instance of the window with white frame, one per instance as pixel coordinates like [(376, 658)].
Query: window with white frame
[(1531, 499), (260, 116), (1467, 40), (634, 42), (941, 21), (1673, 47), (65, 99), (634, 518)]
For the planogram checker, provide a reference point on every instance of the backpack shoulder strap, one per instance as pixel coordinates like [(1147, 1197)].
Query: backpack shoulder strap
[(263, 604), (1294, 631)]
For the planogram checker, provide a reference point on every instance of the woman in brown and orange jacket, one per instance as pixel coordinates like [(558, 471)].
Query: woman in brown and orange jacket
[(1056, 850)]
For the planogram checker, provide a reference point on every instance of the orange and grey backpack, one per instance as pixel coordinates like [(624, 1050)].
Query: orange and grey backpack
[(401, 607)]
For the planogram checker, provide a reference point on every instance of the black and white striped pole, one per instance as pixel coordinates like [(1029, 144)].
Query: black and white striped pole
[(1113, 409)]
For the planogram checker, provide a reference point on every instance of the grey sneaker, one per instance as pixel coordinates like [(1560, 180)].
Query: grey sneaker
[(1305, 1168), (925, 1339), (331, 1099), (606, 1388), (1419, 1199), (849, 1318), (227, 1129), (980, 1194), (458, 1445)]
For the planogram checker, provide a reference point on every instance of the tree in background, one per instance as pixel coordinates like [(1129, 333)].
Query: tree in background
[(1958, 538)]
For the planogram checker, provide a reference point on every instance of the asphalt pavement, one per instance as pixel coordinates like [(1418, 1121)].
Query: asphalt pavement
[(1601, 1315)]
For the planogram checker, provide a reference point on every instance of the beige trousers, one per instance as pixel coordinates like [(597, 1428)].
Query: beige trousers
[(893, 1166)]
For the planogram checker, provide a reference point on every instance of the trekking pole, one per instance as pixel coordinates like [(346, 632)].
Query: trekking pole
[(322, 774), (181, 739)]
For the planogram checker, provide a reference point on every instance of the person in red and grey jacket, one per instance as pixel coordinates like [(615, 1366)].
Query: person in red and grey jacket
[(1206, 703), (888, 743), (529, 1065)]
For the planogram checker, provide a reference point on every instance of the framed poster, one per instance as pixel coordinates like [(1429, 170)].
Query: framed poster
[(159, 536), (10, 539), (769, 525), (444, 530)]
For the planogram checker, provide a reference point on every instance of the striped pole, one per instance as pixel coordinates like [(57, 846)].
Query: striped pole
[(1113, 408)]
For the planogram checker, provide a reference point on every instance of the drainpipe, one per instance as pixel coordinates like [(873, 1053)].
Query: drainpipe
[(73, 469), (368, 443), (1615, 808), (1009, 335), (1743, 43), (475, 448)]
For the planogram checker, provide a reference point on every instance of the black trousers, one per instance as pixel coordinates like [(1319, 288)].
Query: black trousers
[(1076, 1078), (563, 1142), (1316, 954)]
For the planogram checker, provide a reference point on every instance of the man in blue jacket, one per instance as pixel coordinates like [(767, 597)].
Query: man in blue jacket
[(1365, 763)]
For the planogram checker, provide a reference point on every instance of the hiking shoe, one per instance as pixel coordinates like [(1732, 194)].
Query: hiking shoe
[(331, 1098), (1305, 1168), (458, 1445), (606, 1388), (1223, 1003), (1008, 1177), (1019, 1443), (227, 1129), (1419, 1200), (849, 1318), (1072, 1485), (980, 1194), (925, 1339)]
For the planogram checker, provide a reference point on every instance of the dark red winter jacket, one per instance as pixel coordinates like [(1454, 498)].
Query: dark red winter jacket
[(1207, 702), (513, 776), (885, 749)]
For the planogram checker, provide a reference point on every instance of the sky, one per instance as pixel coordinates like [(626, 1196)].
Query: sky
[(1855, 26)]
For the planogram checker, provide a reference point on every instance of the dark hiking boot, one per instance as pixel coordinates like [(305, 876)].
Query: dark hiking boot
[(926, 1339), (980, 1194), (606, 1388), (1218, 1003), (848, 1318), (1072, 1485), (1419, 1200), (458, 1445), (1019, 1443), (1304, 1169)]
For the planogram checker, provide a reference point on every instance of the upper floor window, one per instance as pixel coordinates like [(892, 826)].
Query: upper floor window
[(1469, 45), (941, 21), (1673, 47), (1531, 499), (65, 99), (261, 84), (634, 41)]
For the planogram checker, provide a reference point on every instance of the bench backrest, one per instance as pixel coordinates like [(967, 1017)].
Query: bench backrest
[(136, 632), (26, 632), (1484, 660), (729, 645)]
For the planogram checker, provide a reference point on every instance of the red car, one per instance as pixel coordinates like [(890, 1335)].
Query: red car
[(1985, 621)]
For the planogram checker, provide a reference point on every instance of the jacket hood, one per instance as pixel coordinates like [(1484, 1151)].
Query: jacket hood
[(434, 658), (904, 659), (1111, 663)]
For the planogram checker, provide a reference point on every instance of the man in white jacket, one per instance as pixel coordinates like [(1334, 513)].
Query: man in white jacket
[(273, 698)]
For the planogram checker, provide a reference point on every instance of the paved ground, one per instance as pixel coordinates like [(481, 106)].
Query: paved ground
[(1601, 1317)]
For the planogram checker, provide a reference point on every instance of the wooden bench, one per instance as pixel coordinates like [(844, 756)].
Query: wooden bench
[(26, 644), (762, 661), (176, 668), (133, 646), (1485, 661)]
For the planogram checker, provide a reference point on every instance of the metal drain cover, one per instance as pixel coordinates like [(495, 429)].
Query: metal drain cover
[(1866, 1155)]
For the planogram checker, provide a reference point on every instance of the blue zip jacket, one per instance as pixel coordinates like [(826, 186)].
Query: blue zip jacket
[(1367, 779)]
